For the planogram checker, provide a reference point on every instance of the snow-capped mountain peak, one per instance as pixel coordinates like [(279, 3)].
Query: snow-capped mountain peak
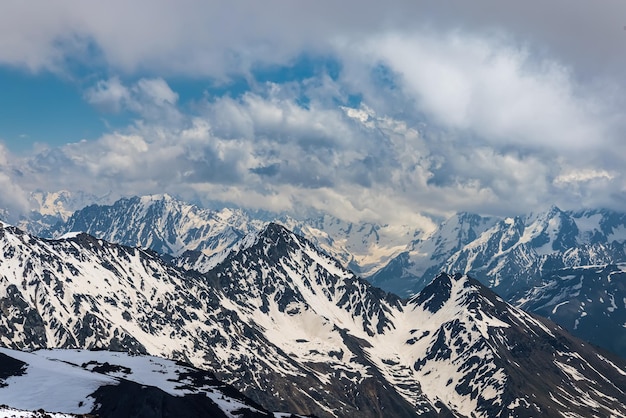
[(294, 331), (162, 223)]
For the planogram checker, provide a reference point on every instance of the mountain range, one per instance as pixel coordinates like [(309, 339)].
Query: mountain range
[(504, 253), (510, 254), (514, 256), (589, 300), (293, 330), (171, 226)]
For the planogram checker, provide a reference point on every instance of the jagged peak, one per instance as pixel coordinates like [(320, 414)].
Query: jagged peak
[(275, 230), (464, 216), (463, 290), (271, 235), (459, 289), (12, 228), (550, 213), (435, 294), (554, 209)]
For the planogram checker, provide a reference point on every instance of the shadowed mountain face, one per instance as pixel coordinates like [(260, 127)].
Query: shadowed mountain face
[(508, 255), (160, 223), (589, 301), (557, 264), (294, 331)]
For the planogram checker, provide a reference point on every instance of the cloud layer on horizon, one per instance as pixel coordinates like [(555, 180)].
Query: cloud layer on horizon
[(462, 118)]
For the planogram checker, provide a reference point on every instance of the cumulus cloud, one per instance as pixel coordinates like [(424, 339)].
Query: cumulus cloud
[(491, 90), (108, 95), (583, 175), (150, 98), (208, 37), (493, 108), (263, 149)]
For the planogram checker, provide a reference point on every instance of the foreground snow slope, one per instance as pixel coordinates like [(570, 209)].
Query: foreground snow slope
[(113, 384)]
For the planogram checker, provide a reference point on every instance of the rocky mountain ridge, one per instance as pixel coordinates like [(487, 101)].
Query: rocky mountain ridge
[(589, 301), (173, 227), (294, 331), (506, 254), (511, 255)]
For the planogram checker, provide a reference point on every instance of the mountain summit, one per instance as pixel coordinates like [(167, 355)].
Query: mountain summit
[(294, 331)]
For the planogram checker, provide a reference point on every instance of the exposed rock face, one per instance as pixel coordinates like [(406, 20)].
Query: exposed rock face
[(589, 301), (293, 330)]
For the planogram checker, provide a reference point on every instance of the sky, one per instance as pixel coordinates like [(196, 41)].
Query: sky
[(392, 112)]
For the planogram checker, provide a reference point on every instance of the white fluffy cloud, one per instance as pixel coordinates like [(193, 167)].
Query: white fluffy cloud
[(491, 90), (150, 98), (264, 150), (492, 108), (108, 95), (13, 199)]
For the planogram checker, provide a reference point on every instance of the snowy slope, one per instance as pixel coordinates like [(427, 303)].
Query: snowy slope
[(507, 254), (478, 355), (161, 223), (113, 384), (86, 293), (293, 330), (361, 247), (515, 253), (510, 255), (8, 412)]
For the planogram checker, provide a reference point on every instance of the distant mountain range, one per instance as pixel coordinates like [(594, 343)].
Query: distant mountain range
[(294, 331), (513, 256), (170, 226), (504, 253), (510, 254), (590, 301)]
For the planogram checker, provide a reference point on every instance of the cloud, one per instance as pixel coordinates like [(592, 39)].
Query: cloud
[(491, 90), (13, 199), (150, 98), (583, 175), (216, 38), (108, 95), (490, 108), (264, 149), (156, 90)]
